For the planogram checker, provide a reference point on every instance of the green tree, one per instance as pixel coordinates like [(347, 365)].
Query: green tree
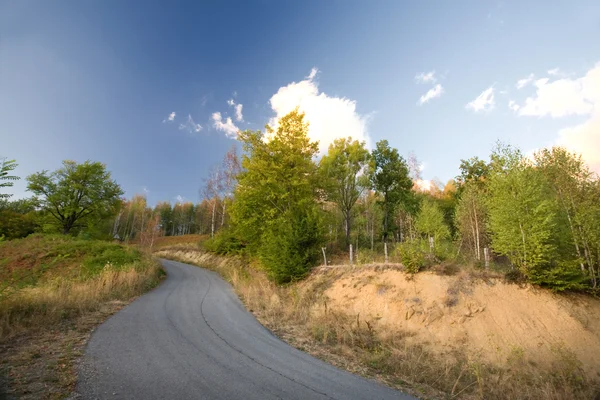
[(573, 188), (525, 223), (274, 209), (6, 180), (341, 168), (389, 177), (471, 218), (76, 193), (430, 220)]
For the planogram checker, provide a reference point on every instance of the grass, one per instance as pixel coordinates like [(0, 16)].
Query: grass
[(299, 314), (54, 290)]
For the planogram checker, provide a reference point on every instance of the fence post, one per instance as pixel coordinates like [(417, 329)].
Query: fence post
[(486, 257), (324, 256), (385, 250)]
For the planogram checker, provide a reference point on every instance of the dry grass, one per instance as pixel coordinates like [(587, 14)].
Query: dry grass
[(54, 291), (299, 314), (32, 308)]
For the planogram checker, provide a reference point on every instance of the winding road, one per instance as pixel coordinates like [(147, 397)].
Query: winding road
[(191, 338)]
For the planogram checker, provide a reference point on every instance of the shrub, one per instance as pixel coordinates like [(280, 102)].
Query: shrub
[(412, 257), (225, 242), (290, 245)]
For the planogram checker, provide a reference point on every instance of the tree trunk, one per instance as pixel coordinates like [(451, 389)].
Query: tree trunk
[(212, 223)]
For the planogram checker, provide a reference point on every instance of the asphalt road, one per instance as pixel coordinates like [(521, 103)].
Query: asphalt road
[(191, 338)]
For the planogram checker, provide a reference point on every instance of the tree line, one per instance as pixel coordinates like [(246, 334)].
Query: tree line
[(537, 217)]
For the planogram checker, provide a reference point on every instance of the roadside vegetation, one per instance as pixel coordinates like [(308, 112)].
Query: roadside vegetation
[(61, 275)]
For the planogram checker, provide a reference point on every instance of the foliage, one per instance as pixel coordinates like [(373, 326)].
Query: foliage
[(341, 169), (15, 225), (525, 223), (6, 180), (389, 177), (274, 202), (290, 246), (76, 193), (225, 242), (430, 220), (412, 257)]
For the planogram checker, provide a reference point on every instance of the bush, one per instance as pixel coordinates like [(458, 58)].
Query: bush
[(412, 257), (225, 242), (290, 246)]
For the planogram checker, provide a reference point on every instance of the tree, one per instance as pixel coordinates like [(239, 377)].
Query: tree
[(76, 193), (389, 177), (341, 168), (430, 220), (525, 221), (7, 180), (471, 218), (573, 187), (274, 209)]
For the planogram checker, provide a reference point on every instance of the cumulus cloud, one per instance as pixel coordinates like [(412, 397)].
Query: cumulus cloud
[(432, 93), (228, 127), (484, 102), (426, 77), (560, 98), (521, 83), (567, 97), (329, 117), (170, 118), (513, 105), (190, 125)]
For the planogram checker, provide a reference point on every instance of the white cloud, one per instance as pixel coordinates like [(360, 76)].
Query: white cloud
[(484, 102), (560, 98), (329, 117), (426, 77), (565, 97), (521, 83), (170, 118), (238, 112), (584, 139), (190, 126), (424, 185), (145, 189), (180, 198), (228, 126), (238, 109), (513, 106), (313, 74), (554, 71), (432, 93)]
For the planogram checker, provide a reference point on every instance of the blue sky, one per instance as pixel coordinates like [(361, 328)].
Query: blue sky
[(99, 79)]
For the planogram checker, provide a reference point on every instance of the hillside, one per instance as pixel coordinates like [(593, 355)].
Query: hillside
[(437, 334), (54, 289), (486, 319)]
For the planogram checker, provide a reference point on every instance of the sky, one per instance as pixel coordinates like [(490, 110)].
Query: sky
[(158, 90)]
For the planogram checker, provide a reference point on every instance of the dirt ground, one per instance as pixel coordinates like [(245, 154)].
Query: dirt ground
[(486, 319)]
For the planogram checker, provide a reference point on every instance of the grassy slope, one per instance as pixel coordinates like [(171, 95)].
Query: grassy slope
[(53, 291), (303, 315)]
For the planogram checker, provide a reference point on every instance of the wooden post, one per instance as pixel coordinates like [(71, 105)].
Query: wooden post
[(324, 256), (385, 250), (350, 253), (486, 257)]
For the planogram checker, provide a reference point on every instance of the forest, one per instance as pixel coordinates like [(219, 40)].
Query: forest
[(535, 218)]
